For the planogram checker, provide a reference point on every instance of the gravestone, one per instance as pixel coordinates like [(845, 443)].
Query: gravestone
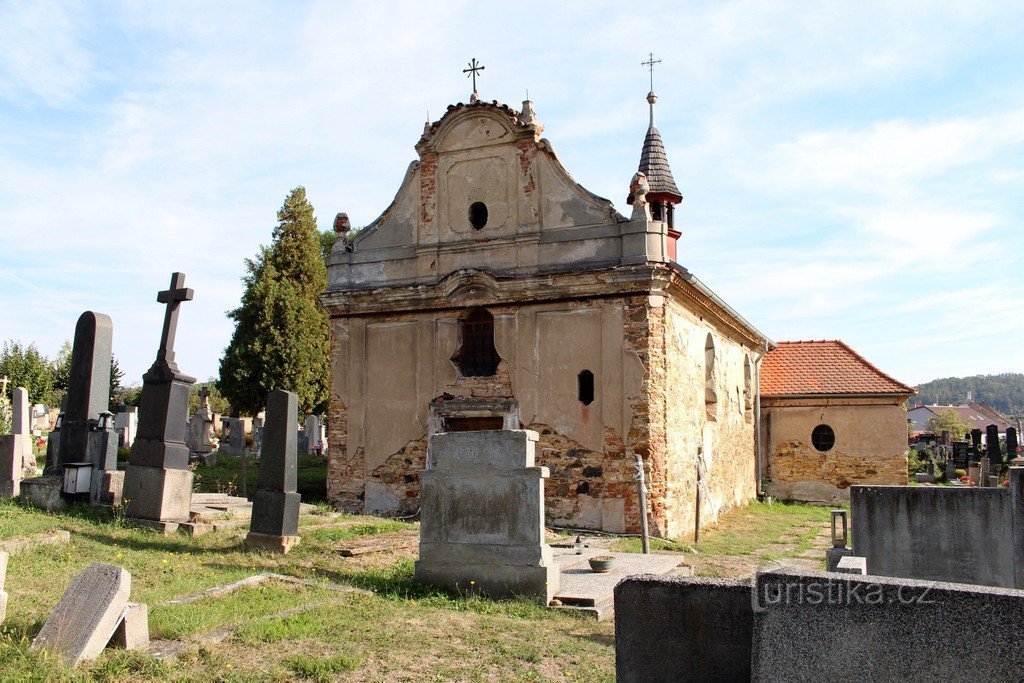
[(961, 454), (976, 445), (200, 430), (1011, 444), (21, 423), (88, 386), (994, 452), (314, 433), (127, 424), (482, 516), (232, 436), (40, 419), (275, 507), (87, 615), (158, 483)]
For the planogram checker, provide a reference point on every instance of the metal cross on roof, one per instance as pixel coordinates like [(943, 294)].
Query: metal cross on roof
[(172, 297), (651, 61), (471, 71)]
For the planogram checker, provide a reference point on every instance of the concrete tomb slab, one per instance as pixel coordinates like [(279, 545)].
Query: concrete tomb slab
[(87, 615)]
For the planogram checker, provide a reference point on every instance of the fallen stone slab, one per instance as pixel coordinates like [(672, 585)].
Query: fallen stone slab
[(19, 544), (87, 615)]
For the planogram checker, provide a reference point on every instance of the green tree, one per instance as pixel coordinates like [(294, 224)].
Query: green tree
[(281, 339), (26, 367), (116, 390), (949, 421)]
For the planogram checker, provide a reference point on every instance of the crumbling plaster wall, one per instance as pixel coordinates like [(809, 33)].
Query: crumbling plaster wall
[(725, 443), (388, 369), (870, 446)]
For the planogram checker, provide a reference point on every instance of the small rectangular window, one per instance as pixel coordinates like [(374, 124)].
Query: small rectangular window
[(585, 383)]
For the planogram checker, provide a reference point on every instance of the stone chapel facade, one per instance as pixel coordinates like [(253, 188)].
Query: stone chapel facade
[(497, 293)]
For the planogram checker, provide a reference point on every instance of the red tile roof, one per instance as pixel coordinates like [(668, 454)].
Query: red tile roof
[(801, 368)]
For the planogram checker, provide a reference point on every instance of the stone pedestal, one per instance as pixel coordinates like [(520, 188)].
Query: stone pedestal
[(107, 488), (482, 516), (43, 492), (270, 543), (157, 494), (833, 556)]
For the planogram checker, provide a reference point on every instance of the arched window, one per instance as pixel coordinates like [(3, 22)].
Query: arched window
[(710, 394), (477, 356)]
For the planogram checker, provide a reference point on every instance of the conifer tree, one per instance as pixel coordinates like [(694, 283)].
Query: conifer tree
[(281, 338)]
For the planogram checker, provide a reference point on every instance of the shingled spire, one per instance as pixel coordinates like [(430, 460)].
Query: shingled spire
[(664, 194)]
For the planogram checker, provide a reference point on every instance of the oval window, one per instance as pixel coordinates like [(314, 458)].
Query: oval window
[(823, 438), (478, 215)]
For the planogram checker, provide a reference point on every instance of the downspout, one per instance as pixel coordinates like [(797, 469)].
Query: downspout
[(758, 427)]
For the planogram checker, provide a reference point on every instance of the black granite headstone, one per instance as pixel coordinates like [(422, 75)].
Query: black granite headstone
[(961, 454), (88, 386), (976, 451), (994, 452), (275, 506), (1011, 443)]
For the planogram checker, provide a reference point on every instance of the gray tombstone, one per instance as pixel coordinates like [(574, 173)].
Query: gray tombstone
[(11, 470), (482, 516), (275, 506), (995, 453), (127, 425), (158, 483), (87, 615), (21, 417), (314, 432), (232, 439), (88, 386)]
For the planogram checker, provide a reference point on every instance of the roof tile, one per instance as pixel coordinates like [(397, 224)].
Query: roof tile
[(800, 368)]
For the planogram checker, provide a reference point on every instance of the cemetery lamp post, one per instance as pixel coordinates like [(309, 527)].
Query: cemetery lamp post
[(839, 525)]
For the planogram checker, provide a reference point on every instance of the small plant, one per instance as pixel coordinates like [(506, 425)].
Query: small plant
[(321, 669)]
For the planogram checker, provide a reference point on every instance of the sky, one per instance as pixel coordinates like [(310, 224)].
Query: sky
[(850, 171)]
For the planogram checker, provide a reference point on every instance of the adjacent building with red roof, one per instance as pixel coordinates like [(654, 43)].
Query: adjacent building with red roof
[(830, 419)]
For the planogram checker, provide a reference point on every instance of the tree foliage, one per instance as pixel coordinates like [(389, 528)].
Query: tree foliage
[(26, 367), (281, 334), (1004, 392), (948, 421)]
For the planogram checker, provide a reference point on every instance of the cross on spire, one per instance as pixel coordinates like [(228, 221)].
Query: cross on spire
[(171, 297), (651, 61), (474, 67)]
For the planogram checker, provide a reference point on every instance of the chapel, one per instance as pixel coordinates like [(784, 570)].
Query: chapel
[(497, 293)]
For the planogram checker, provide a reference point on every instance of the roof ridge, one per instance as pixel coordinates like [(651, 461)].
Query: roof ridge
[(870, 365)]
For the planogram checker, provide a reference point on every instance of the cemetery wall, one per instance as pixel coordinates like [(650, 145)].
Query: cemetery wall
[(815, 626), (674, 629), (966, 535), (870, 447)]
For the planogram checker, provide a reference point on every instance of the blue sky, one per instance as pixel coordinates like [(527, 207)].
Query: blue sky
[(850, 170)]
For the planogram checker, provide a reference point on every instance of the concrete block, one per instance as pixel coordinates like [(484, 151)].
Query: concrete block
[(482, 450), (817, 626), (132, 632), (613, 515), (682, 629), (490, 579), (852, 564), (157, 494), (43, 492), (87, 615), (379, 498), (924, 478)]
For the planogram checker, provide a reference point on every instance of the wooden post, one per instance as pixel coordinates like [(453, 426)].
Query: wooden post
[(642, 489)]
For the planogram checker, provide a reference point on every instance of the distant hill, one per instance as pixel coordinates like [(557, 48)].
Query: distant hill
[(1003, 392)]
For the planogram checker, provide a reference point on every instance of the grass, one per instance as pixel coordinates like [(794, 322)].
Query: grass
[(226, 477), (401, 630)]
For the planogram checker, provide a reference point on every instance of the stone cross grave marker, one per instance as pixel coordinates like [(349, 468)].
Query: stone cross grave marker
[(158, 483), (88, 613)]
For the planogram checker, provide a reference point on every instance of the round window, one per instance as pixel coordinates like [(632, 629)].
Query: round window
[(823, 438), (478, 215)]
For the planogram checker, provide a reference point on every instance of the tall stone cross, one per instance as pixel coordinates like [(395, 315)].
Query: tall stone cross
[(172, 297), (474, 67)]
